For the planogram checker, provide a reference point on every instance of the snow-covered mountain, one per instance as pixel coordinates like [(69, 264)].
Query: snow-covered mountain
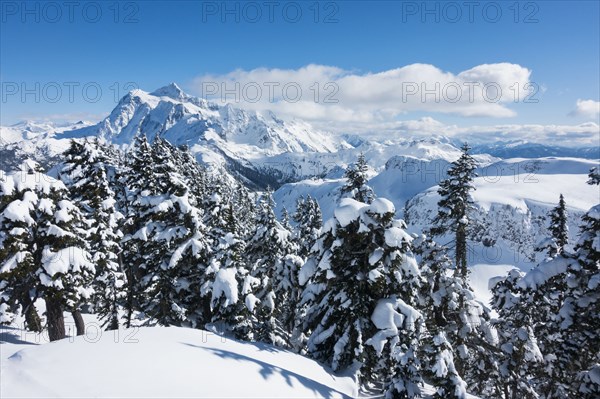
[(221, 135)]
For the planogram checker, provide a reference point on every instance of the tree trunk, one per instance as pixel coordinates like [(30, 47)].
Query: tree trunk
[(79, 324), (461, 251), (56, 320)]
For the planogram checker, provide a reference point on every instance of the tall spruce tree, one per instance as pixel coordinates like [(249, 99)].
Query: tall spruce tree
[(229, 283), (165, 237), (456, 321), (363, 258), (268, 251), (85, 172), (456, 205), (581, 310), (440, 303), (136, 181), (558, 228)]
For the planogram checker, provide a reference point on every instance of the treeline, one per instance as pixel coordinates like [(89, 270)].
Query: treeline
[(149, 236)]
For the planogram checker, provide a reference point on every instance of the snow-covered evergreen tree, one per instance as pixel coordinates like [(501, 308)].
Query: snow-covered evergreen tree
[(229, 282), (244, 209), (581, 309), (166, 245), (309, 222), (85, 173), (285, 219), (43, 254), (564, 295), (363, 258), (452, 310), (439, 367), (456, 205), (404, 326), (356, 181), (136, 181), (440, 302), (267, 251), (521, 360), (558, 228)]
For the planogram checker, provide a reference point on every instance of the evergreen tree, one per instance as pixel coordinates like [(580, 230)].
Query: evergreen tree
[(285, 219), (564, 293), (363, 257), (85, 173), (455, 206), (244, 210), (594, 176), (168, 237), (440, 302), (581, 310), (229, 283), (521, 360), (439, 367), (456, 321), (558, 228), (356, 181), (309, 223), (267, 250), (43, 254), (136, 181)]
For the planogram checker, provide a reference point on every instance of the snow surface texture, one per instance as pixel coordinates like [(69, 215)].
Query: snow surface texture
[(160, 362)]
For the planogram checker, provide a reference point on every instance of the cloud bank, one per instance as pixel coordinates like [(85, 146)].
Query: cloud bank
[(319, 93)]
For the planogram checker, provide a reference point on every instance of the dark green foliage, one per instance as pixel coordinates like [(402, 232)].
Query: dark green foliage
[(456, 205), (356, 181)]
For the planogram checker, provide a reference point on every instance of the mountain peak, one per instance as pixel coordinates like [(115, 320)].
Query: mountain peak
[(171, 90)]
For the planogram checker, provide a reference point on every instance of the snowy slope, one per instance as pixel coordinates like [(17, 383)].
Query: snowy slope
[(39, 141), (159, 362), (512, 210), (480, 276), (513, 197), (165, 362)]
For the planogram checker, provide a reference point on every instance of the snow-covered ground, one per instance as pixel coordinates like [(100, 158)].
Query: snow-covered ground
[(159, 362), (480, 276)]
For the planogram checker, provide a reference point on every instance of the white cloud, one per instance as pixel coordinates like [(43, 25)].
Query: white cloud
[(329, 94), (587, 109)]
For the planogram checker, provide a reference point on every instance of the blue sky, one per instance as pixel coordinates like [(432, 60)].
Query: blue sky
[(152, 43)]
